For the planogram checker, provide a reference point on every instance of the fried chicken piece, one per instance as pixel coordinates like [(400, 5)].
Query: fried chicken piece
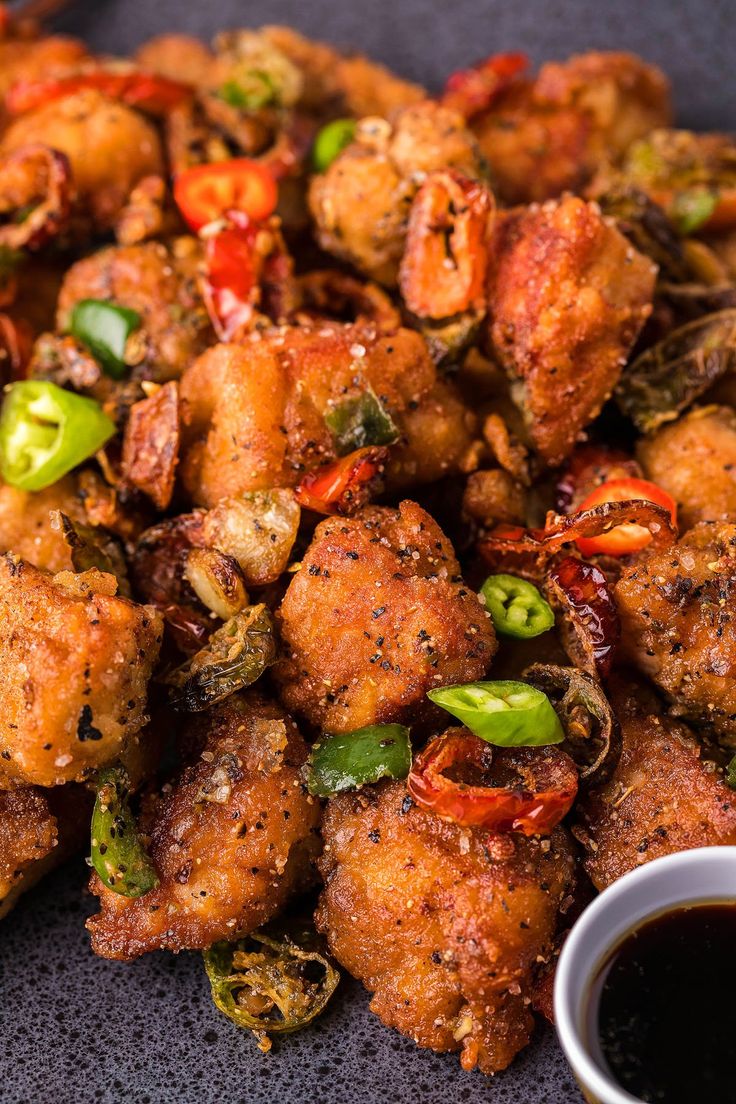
[(39, 829), (158, 281), (110, 148), (179, 57), (694, 460), (232, 840), (568, 296), (76, 661), (256, 411), (38, 59), (550, 135), (445, 925), (361, 203), (25, 522), (377, 616), (678, 624), (662, 797)]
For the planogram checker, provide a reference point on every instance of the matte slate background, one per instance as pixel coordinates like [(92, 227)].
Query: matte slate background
[(76, 1030)]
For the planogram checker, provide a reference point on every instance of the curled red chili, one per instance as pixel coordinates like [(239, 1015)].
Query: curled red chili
[(35, 196), (589, 625), (344, 485), (630, 536), (529, 790), (587, 468), (473, 90), (143, 90), (208, 192)]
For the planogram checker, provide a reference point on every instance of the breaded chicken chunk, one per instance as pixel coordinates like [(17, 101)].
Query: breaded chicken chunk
[(662, 797), (110, 148), (445, 925), (232, 840), (38, 830), (568, 296), (361, 203), (25, 522), (38, 59), (256, 411), (694, 460), (546, 136), (76, 661), (678, 624), (160, 283), (376, 616)]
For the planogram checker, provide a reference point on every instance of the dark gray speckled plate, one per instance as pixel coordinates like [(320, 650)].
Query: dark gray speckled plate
[(77, 1030)]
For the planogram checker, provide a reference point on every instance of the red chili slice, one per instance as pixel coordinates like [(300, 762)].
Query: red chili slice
[(143, 90), (587, 468), (473, 90), (621, 540), (590, 626), (343, 486), (229, 285), (207, 192), (535, 787)]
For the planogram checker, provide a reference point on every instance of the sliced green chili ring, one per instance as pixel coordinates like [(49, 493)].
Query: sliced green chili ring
[(516, 607), (117, 854), (692, 208), (254, 89), (352, 759), (269, 985), (104, 328), (504, 713), (46, 431), (360, 421), (331, 141)]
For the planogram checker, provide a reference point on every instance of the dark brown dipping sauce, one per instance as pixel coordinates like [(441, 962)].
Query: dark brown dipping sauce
[(662, 1017)]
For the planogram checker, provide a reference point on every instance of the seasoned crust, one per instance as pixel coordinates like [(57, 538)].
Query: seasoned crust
[(25, 522), (678, 624), (74, 671), (256, 411), (568, 295), (232, 839), (445, 925), (663, 797), (377, 616)]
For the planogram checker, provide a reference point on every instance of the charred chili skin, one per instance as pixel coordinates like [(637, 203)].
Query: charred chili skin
[(348, 761), (589, 622), (516, 607), (544, 785)]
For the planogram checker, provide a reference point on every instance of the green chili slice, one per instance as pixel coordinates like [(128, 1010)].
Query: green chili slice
[(270, 985), (516, 607), (692, 208), (253, 89), (360, 421), (118, 854), (505, 713), (46, 431), (104, 328), (331, 141), (352, 759)]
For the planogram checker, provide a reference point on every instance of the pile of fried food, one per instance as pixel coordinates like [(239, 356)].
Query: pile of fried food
[(368, 512)]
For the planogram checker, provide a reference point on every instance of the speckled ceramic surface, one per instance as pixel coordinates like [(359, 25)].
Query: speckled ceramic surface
[(75, 1029)]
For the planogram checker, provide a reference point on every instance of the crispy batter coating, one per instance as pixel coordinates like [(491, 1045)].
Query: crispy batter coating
[(110, 148), (662, 797), (256, 411), (38, 59), (233, 839), (568, 296), (678, 622), (694, 460), (39, 829), (361, 204), (176, 56), (76, 661), (377, 616), (25, 522), (445, 925), (158, 281), (550, 135)]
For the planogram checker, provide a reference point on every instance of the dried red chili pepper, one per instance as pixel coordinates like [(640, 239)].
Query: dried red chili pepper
[(143, 90), (589, 625), (473, 90), (529, 790), (344, 485), (631, 536)]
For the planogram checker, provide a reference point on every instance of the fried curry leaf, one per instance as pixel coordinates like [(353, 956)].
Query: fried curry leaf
[(592, 733), (117, 852), (360, 421), (234, 657), (270, 983), (665, 379)]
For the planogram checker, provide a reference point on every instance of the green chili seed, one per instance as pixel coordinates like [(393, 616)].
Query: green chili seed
[(505, 713), (331, 141), (104, 328), (516, 607), (347, 761)]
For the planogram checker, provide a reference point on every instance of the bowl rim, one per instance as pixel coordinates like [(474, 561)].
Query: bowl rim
[(577, 967)]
